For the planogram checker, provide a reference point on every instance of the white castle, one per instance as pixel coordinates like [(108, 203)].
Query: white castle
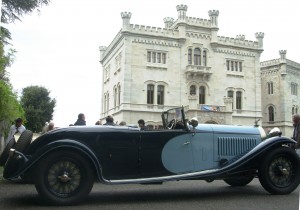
[(147, 70)]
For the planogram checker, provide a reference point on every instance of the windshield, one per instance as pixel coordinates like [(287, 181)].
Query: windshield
[(173, 118)]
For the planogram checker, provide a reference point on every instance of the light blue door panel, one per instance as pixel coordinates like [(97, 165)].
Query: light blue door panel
[(177, 155)]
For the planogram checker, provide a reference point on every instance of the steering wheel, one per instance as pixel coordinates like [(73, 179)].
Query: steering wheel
[(171, 124)]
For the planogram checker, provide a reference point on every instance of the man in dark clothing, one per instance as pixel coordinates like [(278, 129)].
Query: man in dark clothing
[(109, 121), (80, 120), (142, 126)]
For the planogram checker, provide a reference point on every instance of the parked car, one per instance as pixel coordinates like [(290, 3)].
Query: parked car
[(64, 163)]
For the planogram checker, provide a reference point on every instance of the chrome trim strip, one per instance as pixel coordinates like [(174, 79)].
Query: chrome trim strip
[(163, 178)]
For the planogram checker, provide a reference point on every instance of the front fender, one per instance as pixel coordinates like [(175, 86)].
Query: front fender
[(254, 155), (56, 145)]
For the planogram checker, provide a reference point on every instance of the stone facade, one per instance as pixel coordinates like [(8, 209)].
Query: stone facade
[(147, 70), (280, 84)]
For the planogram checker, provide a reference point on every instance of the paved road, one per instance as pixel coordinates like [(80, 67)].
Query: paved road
[(172, 195)]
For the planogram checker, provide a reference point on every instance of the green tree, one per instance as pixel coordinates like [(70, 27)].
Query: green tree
[(38, 107), (14, 9), (10, 108)]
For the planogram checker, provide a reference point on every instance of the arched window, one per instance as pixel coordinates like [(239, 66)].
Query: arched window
[(271, 113), (192, 90), (238, 100), (202, 95), (150, 94), (204, 58), (293, 110), (197, 56), (190, 56), (270, 88), (160, 94)]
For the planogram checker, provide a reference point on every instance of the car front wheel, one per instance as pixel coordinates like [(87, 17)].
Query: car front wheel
[(279, 172), (64, 178)]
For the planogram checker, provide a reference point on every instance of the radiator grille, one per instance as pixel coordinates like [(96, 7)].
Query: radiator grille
[(231, 146)]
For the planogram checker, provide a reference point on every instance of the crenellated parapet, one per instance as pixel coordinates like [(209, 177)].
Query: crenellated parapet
[(272, 62), (157, 43), (150, 30), (241, 37), (198, 22), (237, 42)]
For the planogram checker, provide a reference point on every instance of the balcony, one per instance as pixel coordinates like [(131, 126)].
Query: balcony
[(198, 72)]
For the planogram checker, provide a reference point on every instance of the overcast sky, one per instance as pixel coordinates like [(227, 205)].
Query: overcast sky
[(59, 48)]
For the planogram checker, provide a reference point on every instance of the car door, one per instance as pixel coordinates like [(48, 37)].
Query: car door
[(165, 152)]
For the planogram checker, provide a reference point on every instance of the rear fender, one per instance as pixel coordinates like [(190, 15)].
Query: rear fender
[(58, 145)]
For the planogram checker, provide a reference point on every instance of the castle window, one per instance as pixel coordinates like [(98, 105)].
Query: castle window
[(202, 95), (153, 57), (197, 56), (148, 56), (192, 90), (228, 65), (294, 89), (270, 88), (164, 58), (158, 57), (150, 94), (204, 58), (238, 100), (271, 113), (160, 94), (190, 56)]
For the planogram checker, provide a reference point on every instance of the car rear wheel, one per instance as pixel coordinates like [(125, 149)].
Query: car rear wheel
[(64, 178), (279, 172), (239, 181)]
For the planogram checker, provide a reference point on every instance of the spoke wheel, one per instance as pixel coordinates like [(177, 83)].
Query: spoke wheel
[(279, 173), (64, 178)]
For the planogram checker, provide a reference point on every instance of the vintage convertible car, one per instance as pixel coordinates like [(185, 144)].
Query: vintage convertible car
[(64, 163)]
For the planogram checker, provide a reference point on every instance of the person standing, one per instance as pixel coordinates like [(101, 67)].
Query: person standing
[(296, 132), (80, 120), (142, 125), (109, 121), (18, 127)]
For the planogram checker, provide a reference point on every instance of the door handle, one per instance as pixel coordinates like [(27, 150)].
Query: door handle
[(186, 143)]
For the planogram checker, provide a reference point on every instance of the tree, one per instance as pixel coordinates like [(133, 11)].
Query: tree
[(38, 107), (14, 9), (10, 109)]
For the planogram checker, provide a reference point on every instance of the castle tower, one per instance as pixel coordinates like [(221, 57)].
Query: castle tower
[(282, 54), (126, 20), (213, 14), (168, 22), (181, 9), (259, 37)]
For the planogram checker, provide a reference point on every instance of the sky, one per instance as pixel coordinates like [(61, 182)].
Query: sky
[(58, 48)]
